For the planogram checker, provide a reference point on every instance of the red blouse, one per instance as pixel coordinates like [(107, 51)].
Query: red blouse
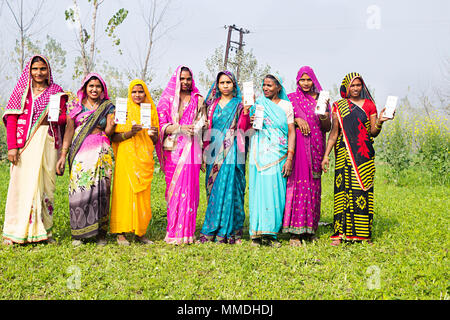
[(368, 107)]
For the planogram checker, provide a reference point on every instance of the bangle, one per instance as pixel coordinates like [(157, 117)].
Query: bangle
[(123, 136), (378, 126), (325, 118), (291, 151)]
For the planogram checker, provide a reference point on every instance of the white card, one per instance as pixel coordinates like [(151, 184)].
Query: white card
[(259, 117), (248, 93), (121, 111), (322, 104), (53, 107), (391, 104), (146, 115)]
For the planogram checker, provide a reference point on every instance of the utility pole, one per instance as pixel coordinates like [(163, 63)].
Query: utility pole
[(229, 46)]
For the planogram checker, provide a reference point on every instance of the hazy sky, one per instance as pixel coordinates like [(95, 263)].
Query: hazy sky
[(395, 45)]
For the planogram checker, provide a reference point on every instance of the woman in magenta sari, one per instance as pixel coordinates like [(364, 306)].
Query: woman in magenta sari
[(303, 195), (179, 149)]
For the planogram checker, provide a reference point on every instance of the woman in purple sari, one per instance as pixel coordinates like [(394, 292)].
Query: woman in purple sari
[(303, 195), (179, 149)]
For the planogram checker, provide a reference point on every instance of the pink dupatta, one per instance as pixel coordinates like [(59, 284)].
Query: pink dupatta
[(181, 162)]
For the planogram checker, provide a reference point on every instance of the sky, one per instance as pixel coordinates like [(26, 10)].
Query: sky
[(399, 46)]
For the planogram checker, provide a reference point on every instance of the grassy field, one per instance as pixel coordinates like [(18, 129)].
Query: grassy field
[(409, 259)]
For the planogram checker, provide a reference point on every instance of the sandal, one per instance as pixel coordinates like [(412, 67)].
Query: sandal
[(144, 240), (256, 242), (336, 242), (8, 242), (77, 243), (274, 243), (295, 242), (238, 241), (120, 241)]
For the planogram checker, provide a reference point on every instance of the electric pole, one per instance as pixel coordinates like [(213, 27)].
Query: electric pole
[(229, 46)]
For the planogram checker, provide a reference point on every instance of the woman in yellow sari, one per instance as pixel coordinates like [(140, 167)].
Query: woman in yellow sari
[(133, 149)]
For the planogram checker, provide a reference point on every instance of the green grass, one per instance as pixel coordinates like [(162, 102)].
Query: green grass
[(409, 257)]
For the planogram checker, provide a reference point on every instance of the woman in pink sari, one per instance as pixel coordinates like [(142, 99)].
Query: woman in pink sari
[(303, 194), (179, 149)]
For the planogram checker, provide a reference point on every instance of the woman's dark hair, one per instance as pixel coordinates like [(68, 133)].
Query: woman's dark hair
[(269, 76), (186, 69), (38, 59), (90, 79)]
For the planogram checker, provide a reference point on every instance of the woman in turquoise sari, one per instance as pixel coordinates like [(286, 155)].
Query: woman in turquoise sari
[(225, 163), (270, 162)]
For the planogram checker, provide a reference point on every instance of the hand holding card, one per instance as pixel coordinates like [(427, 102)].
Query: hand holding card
[(121, 111), (391, 104)]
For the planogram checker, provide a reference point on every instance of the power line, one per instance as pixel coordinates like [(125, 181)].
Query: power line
[(230, 47)]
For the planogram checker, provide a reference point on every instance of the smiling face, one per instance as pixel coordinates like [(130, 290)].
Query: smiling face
[(94, 89), (305, 83), (355, 88), (185, 81), (138, 94), (39, 72), (270, 88), (225, 85)]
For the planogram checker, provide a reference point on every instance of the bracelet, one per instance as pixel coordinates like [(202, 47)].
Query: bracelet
[(325, 118), (291, 151), (123, 136), (65, 149), (378, 126)]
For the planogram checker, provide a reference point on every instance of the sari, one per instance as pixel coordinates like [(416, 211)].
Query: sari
[(303, 194), (354, 169), (225, 168), (180, 157), (30, 201), (91, 162), (268, 154), (133, 172)]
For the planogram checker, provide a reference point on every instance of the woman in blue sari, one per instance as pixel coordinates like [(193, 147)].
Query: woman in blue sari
[(270, 162), (225, 163)]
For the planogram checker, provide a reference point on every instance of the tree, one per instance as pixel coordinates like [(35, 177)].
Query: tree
[(87, 41), (52, 49), (24, 27), (249, 69), (154, 14)]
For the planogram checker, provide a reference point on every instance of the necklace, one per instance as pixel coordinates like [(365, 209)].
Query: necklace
[(91, 105)]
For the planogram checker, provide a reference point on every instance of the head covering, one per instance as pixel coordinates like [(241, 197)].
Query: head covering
[(138, 152), (214, 92), (346, 83), (16, 102), (81, 94), (170, 97), (134, 109), (303, 96), (75, 107), (282, 94)]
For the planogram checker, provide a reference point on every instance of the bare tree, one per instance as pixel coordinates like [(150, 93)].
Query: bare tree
[(23, 26), (88, 50), (154, 16)]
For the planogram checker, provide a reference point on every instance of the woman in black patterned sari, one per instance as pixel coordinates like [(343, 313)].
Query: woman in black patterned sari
[(355, 124)]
